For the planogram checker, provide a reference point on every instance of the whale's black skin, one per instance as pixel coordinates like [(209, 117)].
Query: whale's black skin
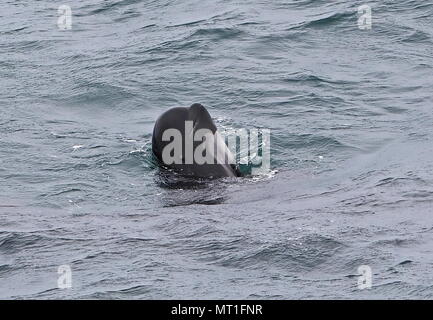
[(175, 119)]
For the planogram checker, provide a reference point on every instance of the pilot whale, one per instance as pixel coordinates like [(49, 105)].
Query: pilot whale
[(186, 140)]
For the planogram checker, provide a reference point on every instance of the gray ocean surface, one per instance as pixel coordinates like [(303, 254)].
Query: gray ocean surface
[(350, 114)]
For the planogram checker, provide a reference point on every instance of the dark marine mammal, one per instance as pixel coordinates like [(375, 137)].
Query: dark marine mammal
[(187, 141)]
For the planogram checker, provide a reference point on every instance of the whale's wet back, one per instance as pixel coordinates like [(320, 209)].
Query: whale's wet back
[(187, 123)]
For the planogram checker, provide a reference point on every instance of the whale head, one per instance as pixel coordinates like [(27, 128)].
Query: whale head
[(187, 141)]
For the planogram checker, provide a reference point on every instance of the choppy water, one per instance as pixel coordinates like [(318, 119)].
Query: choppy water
[(350, 113)]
